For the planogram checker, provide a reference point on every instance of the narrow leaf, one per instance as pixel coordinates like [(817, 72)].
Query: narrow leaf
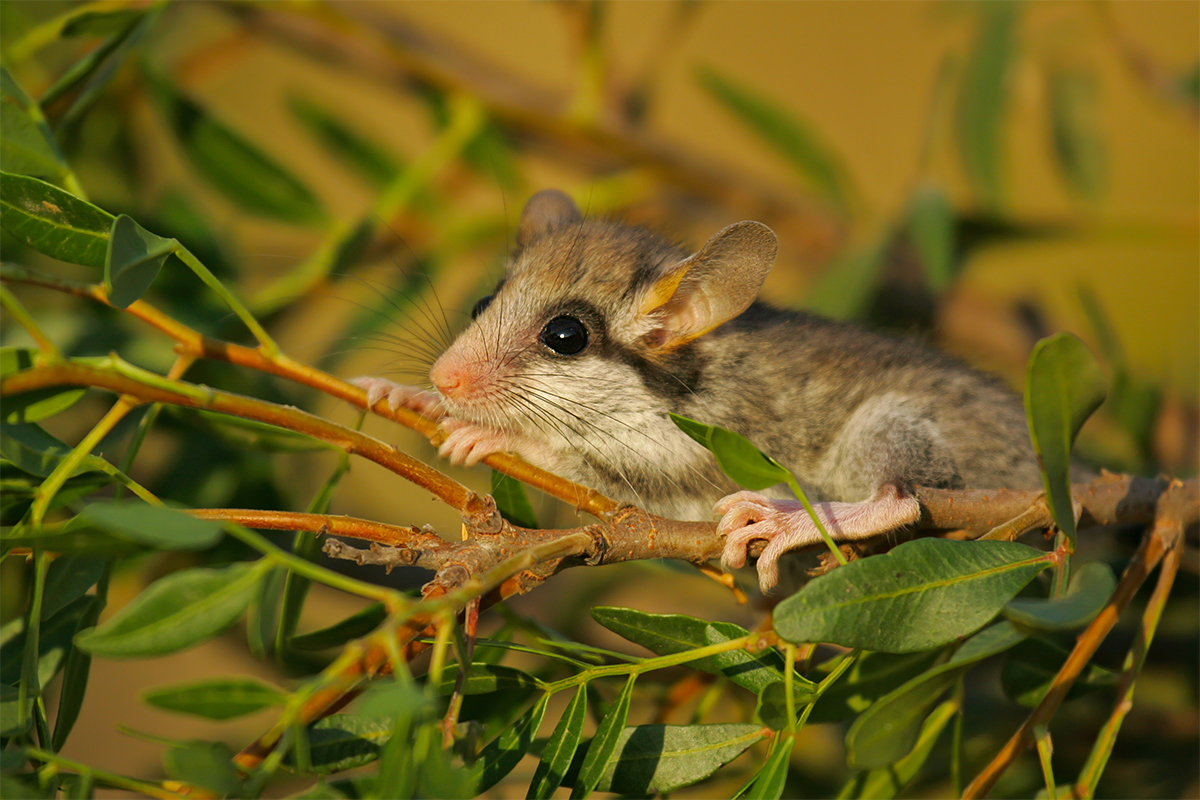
[(54, 643), (744, 463), (218, 698), (27, 146), (983, 102), (1091, 588), (39, 404), (1075, 129), (364, 156), (605, 745), (69, 578), (560, 748), (502, 754), (1063, 386), (133, 260), (54, 222), (484, 678), (153, 526), (650, 759), (176, 612), (771, 778), (75, 675), (931, 229), (344, 741), (922, 594), (513, 501)]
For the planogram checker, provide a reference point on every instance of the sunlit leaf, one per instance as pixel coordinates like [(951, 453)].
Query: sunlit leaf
[(503, 754), (605, 746), (344, 741), (217, 698), (560, 748), (744, 463), (771, 779), (654, 759), (485, 678), (54, 222)]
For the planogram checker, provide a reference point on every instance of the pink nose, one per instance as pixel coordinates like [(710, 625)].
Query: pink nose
[(451, 376)]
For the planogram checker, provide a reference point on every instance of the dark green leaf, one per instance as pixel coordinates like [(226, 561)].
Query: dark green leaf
[(1063, 386), (795, 140), (502, 754), (1188, 84), (485, 678), (207, 764), (12, 721), (75, 676), (176, 612), (29, 447), (650, 759), (1091, 588), (344, 741), (771, 709), (769, 782), (1032, 666), (54, 222), (69, 578), (889, 729), (931, 230), (983, 102), (96, 67), (54, 642), (102, 23), (38, 404), (27, 146), (560, 749), (262, 618), (218, 698), (602, 752), (870, 677), (12, 759), (133, 260), (744, 463), (886, 782), (336, 635), (153, 526), (363, 155), (512, 500), (232, 164), (1076, 130), (922, 594)]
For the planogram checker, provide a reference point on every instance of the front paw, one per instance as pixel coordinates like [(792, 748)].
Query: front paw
[(746, 516), (400, 396), (467, 443)]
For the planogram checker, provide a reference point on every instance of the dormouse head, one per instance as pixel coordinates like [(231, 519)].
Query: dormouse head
[(586, 298)]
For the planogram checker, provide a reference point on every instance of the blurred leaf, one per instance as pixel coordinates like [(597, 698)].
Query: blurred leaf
[(1063, 386), (771, 779), (217, 698), (744, 463), (12, 721), (890, 728), (239, 169), (176, 612), (1032, 666), (363, 155), (134, 258), (207, 764), (845, 289), (75, 674), (54, 642), (352, 627), (154, 526), (1188, 84), (69, 578), (513, 501), (796, 140), (560, 748), (251, 434), (485, 678), (344, 741), (54, 222), (922, 594), (91, 73), (771, 708), (504, 753), (27, 146), (931, 228), (886, 782), (655, 759), (870, 677), (602, 751), (1076, 130), (1091, 588), (27, 407), (28, 446), (102, 22), (983, 101)]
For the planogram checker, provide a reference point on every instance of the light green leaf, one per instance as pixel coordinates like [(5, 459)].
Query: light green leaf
[(336, 635), (922, 594), (605, 745), (176, 612), (797, 141), (771, 779), (931, 228), (217, 698), (983, 102), (153, 526), (560, 749), (135, 255), (513, 501), (54, 222), (102, 22), (485, 678), (27, 146), (1075, 127), (12, 721), (1091, 588), (655, 759), (1063, 386), (744, 463), (27, 407)]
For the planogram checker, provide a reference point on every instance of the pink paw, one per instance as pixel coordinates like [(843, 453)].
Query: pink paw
[(400, 396), (468, 442)]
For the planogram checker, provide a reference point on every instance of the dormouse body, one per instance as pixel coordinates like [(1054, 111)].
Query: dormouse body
[(599, 330)]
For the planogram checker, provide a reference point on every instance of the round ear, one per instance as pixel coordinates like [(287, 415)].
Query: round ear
[(547, 210), (713, 286)]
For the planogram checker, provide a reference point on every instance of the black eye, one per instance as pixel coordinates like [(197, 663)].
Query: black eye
[(565, 335), (483, 303)]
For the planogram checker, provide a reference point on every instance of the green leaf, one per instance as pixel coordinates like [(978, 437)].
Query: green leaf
[(96, 68), (27, 146), (239, 169), (29, 447), (153, 526), (797, 141), (176, 612), (771, 708), (103, 22), (69, 578), (744, 463), (602, 750), (207, 764), (845, 290), (75, 675), (12, 721), (1032, 667), (27, 407), (650, 759), (889, 729), (560, 748), (1091, 588), (484, 678), (336, 635), (217, 698), (922, 594), (931, 229), (134, 258), (1075, 128), (1063, 386), (506, 750), (54, 222), (870, 677), (771, 779), (983, 102), (512, 500), (364, 156), (54, 642), (886, 782), (344, 741), (666, 634)]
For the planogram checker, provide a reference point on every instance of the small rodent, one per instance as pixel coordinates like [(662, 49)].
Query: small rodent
[(599, 329)]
